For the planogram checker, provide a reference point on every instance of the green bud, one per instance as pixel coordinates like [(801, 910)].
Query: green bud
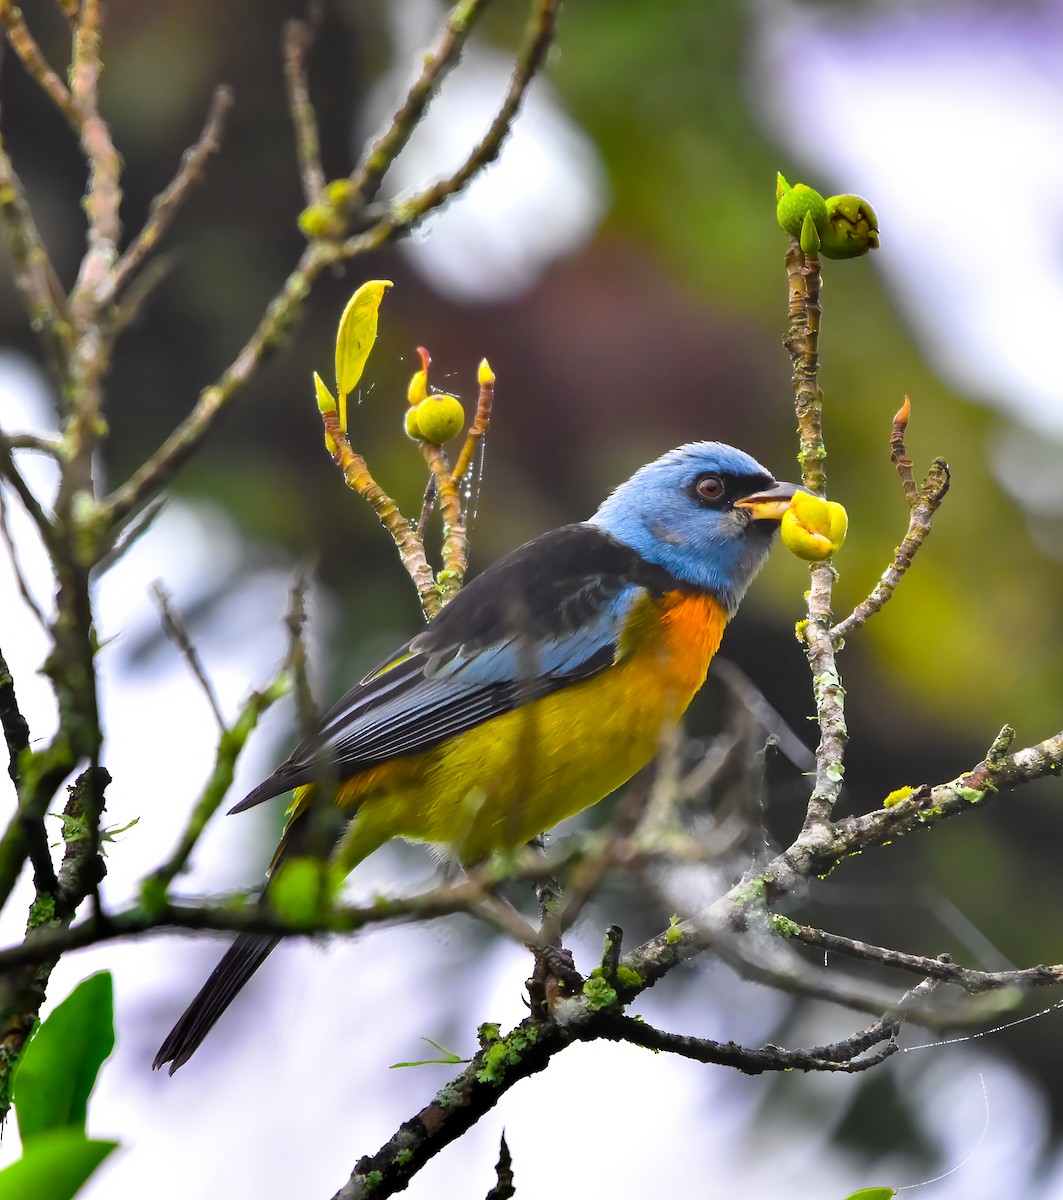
[(320, 221), (851, 228), (339, 192), (809, 235), (795, 203)]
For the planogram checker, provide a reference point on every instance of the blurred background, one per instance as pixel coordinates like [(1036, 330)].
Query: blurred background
[(621, 268)]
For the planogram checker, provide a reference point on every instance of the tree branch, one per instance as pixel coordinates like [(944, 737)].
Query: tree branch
[(168, 202)]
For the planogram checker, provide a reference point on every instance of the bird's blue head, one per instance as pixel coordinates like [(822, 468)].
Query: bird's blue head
[(706, 512)]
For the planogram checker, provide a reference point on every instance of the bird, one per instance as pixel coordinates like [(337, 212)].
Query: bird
[(540, 688)]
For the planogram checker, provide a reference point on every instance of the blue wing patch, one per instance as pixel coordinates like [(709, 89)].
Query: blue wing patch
[(546, 616)]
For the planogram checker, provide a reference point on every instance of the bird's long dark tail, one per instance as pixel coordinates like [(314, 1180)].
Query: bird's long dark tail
[(238, 964)]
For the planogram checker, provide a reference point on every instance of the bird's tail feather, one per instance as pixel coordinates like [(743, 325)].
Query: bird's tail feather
[(238, 964)]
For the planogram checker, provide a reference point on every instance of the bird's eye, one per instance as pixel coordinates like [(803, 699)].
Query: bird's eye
[(710, 487)]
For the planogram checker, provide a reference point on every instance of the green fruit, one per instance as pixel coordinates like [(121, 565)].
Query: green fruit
[(851, 228), (440, 417), (413, 430), (793, 205)]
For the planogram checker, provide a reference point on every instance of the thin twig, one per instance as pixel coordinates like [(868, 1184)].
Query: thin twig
[(928, 500), (38, 286), (455, 549), (104, 195), (10, 472), (168, 202), (298, 38), (130, 535), (428, 503), (850, 1056), (481, 422), (941, 968), (156, 472), (14, 724), (899, 453), (357, 476), (378, 157), (21, 582), (295, 660), (175, 630), (403, 215), (25, 46)]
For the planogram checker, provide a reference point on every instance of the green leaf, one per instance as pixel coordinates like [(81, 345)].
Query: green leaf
[(57, 1072), (355, 338), (53, 1166), (872, 1194)]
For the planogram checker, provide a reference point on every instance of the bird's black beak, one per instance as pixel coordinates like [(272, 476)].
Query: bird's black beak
[(770, 504)]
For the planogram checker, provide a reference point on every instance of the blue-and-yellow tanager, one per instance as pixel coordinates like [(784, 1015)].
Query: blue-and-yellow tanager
[(539, 689)]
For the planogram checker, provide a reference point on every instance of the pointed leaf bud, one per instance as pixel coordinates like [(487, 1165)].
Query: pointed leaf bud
[(809, 235), (484, 375), (326, 402), (418, 386)]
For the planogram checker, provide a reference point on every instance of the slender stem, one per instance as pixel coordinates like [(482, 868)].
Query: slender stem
[(104, 195), (455, 543), (928, 499), (538, 37), (368, 176), (167, 203), (410, 547), (802, 341), (298, 38), (25, 46)]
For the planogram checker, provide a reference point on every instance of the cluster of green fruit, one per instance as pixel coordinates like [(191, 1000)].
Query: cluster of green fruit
[(437, 418), (838, 227)]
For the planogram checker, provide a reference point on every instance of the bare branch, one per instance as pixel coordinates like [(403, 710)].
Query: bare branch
[(25, 46), (175, 630), (13, 556), (942, 968), (9, 471), (16, 730), (42, 295), (167, 203), (366, 179), (298, 38), (403, 215), (358, 478), (924, 502), (104, 196), (157, 471)]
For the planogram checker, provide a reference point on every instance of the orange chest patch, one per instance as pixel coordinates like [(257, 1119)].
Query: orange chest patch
[(675, 637)]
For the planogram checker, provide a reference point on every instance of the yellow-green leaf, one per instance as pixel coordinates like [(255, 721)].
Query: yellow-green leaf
[(355, 337)]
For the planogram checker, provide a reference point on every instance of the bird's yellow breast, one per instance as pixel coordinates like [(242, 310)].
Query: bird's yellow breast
[(497, 786)]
